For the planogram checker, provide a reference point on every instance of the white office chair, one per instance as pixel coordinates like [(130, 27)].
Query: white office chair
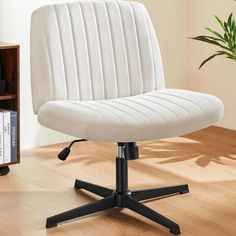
[(97, 74)]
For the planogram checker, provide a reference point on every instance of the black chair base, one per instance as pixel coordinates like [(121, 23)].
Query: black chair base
[(122, 198), (113, 199)]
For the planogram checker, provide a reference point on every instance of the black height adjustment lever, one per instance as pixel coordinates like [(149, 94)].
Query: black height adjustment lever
[(66, 151)]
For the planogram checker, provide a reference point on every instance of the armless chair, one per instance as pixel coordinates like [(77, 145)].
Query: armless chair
[(97, 74)]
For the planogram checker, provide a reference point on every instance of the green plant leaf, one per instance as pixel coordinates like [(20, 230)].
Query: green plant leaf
[(210, 58), (210, 38), (230, 19), (228, 54), (207, 40), (216, 34), (226, 28), (220, 22), (226, 40), (233, 25), (226, 37)]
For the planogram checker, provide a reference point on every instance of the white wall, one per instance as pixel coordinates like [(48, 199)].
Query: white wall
[(15, 25)]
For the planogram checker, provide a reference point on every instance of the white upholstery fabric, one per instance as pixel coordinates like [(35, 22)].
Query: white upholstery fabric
[(97, 74), (154, 115), (92, 50)]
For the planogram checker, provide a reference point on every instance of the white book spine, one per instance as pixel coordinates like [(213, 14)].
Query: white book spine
[(13, 136), (1, 138), (7, 137)]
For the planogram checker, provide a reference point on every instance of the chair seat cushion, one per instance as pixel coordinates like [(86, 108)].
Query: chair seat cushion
[(154, 115)]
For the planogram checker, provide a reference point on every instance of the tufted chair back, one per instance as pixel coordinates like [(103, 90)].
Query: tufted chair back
[(93, 50)]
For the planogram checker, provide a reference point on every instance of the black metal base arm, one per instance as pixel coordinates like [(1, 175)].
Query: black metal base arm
[(122, 198), (113, 199)]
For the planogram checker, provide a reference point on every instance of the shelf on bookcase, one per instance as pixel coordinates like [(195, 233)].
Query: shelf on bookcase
[(9, 60), (7, 96), (10, 164)]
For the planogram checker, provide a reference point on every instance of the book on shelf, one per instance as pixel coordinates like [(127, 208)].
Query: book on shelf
[(8, 136)]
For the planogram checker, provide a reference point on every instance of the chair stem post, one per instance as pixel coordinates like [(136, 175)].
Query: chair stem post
[(121, 171)]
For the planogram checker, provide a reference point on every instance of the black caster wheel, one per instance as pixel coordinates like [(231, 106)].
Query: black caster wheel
[(4, 170)]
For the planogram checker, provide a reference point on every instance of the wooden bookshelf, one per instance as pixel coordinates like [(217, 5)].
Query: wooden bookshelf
[(10, 72)]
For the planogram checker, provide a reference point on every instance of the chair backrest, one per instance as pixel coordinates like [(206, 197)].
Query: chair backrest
[(92, 50)]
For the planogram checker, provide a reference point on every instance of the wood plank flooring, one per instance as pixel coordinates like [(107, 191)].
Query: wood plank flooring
[(42, 186)]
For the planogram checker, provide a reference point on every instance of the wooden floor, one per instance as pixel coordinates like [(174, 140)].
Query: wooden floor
[(42, 186)]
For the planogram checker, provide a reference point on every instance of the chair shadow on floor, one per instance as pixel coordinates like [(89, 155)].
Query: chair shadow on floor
[(174, 152), (202, 150)]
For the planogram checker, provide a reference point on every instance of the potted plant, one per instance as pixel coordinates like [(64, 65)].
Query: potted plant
[(225, 41)]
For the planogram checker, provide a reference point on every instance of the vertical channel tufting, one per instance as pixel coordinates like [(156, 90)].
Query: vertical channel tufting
[(77, 84), (98, 50), (124, 35), (67, 44), (139, 52), (153, 62), (159, 73), (81, 49), (145, 48), (106, 50), (94, 50), (88, 52), (119, 49), (51, 73), (116, 84), (62, 51), (132, 48), (104, 96)]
